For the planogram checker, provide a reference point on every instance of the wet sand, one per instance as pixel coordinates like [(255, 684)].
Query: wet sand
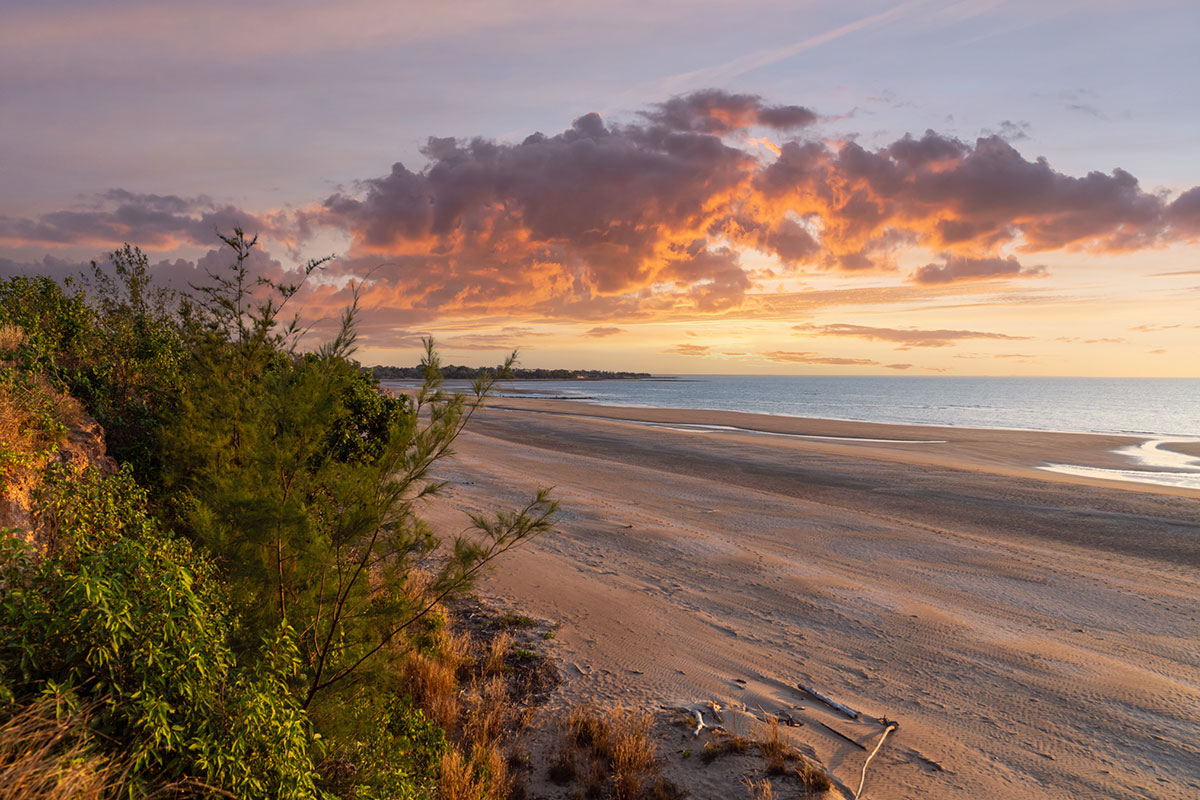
[(1035, 634)]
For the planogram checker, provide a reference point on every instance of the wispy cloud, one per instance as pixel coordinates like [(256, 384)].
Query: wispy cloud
[(721, 74), (600, 332), (908, 337), (793, 357), (1182, 273), (689, 349)]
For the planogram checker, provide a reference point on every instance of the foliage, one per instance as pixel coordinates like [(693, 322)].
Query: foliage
[(361, 433), (117, 350), (303, 480), (133, 373), (31, 423), (397, 753), (130, 621), (56, 326), (301, 568)]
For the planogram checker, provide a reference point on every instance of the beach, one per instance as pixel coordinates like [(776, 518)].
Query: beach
[(1034, 633)]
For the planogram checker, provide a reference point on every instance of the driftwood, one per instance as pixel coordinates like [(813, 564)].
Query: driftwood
[(698, 716), (847, 710), (891, 726)]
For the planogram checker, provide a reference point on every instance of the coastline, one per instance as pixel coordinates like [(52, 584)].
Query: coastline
[(1003, 450), (1033, 632)]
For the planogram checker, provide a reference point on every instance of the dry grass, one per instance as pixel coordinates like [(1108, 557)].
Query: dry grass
[(760, 789), (617, 753), (432, 682), (11, 337), (774, 749), (497, 651), (432, 678), (488, 714), (632, 753), (778, 753), (16, 434), (48, 759), (462, 684), (483, 776), (813, 779)]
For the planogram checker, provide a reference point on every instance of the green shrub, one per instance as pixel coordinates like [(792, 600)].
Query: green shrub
[(396, 751), (128, 620)]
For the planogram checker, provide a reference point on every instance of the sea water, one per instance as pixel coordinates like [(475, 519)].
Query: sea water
[(1138, 406), (1160, 411)]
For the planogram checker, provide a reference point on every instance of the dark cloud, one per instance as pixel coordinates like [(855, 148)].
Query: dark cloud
[(178, 274), (944, 192), (714, 111), (601, 332), (1184, 213), (909, 337), (151, 221), (962, 268), (1010, 131)]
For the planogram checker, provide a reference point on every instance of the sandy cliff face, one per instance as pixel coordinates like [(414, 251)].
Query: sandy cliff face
[(82, 446)]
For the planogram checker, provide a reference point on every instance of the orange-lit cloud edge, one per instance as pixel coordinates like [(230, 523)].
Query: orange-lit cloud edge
[(717, 211)]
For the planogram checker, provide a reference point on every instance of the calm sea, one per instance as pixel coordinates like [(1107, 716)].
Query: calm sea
[(1151, 406)]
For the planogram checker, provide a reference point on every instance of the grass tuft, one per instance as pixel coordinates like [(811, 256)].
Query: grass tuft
[(619, 758), (760, 789), (46, 757)]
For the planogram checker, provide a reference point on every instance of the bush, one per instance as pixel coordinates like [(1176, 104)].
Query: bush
[(129, 622), (301, 566), (302, 480)]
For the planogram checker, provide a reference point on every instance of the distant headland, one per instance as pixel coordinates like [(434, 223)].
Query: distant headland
[(455, 372)]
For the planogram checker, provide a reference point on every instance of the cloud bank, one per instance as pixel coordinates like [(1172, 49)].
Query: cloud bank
[(606, 221)]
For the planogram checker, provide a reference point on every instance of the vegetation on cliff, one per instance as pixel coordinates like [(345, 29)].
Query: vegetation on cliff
[(246, 603)]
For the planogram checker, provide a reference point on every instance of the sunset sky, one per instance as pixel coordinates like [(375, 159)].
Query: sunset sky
[(959, 187)]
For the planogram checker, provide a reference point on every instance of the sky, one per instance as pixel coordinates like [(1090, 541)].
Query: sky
[(931, 187)]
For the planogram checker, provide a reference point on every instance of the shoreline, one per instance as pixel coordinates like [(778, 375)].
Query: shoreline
[(508, 391), (1033, 633), (1101, 458)]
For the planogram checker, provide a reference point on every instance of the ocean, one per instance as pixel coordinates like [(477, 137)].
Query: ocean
[(1162, 411), (1153, 407)]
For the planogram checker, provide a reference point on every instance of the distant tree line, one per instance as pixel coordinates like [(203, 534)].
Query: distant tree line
[(455, 372)]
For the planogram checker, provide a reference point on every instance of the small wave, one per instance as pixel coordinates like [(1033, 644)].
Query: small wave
[(1172, 468), (536, 396), (700, 428)]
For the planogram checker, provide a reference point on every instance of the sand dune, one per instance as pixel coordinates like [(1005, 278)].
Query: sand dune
[(1034, 633)]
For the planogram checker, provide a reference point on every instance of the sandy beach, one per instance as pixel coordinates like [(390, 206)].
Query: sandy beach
[(1034, 633)]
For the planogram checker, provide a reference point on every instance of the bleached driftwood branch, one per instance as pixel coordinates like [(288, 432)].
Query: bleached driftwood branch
[(847, 710), (698, 716)]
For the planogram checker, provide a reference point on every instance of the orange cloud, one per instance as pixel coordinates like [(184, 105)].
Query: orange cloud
[(689, 349), (606, 221)]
